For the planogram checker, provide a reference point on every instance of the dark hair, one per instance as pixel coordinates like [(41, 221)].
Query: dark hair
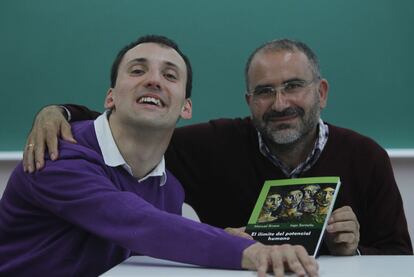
[(286, 45), (159, 40)]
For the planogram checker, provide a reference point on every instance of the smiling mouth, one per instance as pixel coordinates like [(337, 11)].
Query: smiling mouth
[(285, 115), (283, 118), (150, 101)]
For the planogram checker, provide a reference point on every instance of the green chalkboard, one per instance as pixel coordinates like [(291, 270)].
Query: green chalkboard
[(59, 51)]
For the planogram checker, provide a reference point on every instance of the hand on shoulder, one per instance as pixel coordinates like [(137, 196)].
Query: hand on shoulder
[(48, 126)]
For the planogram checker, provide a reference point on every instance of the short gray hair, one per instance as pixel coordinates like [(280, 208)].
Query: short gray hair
[(285, 45)]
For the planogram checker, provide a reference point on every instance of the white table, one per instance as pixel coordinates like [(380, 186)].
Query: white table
[(364, 266)]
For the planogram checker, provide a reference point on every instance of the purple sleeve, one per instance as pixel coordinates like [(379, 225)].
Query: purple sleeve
[(80, 192)]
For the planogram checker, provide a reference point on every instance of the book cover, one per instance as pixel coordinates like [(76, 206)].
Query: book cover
[(294, 211)]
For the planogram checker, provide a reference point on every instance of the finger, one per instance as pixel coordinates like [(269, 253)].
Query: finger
[(293, 262), (244, 235), (262, 263), (340, 216), (343, 215), (28, 160), (277, 263), (25, 162), (345, 238), (337, 213), (231, 231), (66, 132), (346, 226), (39, 150), (52, 144), (309, 263), (239, 232)]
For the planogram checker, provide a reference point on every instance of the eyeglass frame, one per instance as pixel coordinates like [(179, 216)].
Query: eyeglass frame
[(282, 88)]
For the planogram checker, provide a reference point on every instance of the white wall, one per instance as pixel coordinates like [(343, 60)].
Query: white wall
[(404, 175), (6, 168), (403, 169)]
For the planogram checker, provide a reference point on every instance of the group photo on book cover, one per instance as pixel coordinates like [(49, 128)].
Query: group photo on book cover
[(293, 211)]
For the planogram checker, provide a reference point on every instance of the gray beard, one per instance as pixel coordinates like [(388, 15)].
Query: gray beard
[(286, 134)]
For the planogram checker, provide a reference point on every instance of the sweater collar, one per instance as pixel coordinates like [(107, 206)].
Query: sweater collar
[(113, 158)]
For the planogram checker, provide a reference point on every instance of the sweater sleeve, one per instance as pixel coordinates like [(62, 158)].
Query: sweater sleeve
[(79, 112), (385, 225), (88, 199)]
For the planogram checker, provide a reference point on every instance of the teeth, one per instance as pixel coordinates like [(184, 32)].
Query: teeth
[(150, 100)]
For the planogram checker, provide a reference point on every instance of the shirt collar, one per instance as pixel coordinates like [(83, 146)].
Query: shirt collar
[(318, 147), (113, 158)]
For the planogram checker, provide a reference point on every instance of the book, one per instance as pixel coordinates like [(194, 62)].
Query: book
[(294, 211)]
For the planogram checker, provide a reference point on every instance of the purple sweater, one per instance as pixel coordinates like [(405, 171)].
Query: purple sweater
[(79, 217)]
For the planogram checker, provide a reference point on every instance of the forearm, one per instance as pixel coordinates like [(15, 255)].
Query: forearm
[(127, 220)]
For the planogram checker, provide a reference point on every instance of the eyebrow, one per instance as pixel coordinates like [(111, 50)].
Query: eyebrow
[(262, 86), (145, 60), (295, 79)]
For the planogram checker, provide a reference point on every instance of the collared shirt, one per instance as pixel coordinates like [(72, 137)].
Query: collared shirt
[(113, 157), (310, 160)]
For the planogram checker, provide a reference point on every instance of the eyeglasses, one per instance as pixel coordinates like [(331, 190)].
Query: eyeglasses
[(288, 89)]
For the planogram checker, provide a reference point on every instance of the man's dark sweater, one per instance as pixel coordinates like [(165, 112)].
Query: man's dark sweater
[(222, 171)]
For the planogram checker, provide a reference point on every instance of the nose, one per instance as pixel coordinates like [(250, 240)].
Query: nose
[(280, 101), (153, 81)]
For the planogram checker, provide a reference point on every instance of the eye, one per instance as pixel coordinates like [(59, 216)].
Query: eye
[(293, 86), (137, 70), (263, 91), (170, 76)]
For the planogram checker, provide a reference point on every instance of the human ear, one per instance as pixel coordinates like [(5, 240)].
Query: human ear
[(187, 109), (248, 98), (323, 91), (109, 99)]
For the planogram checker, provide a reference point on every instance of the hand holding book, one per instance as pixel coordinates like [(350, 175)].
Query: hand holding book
[(342, 235)]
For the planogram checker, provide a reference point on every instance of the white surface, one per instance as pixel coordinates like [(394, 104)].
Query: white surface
[(401, 153), (148, 267), (366, 266), (11, 155)]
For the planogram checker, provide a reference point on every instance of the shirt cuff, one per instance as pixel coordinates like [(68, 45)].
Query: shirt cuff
[(68, 115)]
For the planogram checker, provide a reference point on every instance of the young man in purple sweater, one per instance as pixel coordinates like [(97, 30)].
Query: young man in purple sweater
[(223, 164), (109, 195)]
